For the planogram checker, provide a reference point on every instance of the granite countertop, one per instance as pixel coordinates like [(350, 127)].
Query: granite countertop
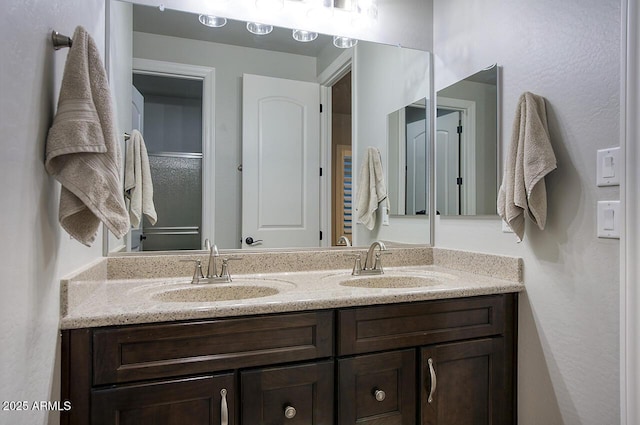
[(95, 302)]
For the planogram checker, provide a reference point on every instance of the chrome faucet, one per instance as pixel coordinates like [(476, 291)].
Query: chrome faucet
[(212, 268), (372, 263), (343, 241)]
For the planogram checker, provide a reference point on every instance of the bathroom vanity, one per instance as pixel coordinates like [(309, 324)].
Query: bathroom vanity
[(345, 352)]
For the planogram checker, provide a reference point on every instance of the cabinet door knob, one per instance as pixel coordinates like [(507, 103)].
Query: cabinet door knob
[(434, 380), (379, 395), (290, 412)]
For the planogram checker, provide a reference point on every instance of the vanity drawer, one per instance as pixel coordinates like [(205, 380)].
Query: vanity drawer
[(296, 395), (159, 351), (377, 389), (368, 329)]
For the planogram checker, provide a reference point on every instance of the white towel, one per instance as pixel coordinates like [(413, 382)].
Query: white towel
[(137, 181), (82, 151), (529, 160), (371, 189)]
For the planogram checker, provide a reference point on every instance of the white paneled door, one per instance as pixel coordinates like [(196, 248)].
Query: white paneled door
[(280, 163)]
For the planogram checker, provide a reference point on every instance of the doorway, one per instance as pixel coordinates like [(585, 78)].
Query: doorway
[(341, 162), (173, 131)]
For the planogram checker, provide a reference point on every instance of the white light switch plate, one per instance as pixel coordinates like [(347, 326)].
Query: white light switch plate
[(609, 219), (608, 167)]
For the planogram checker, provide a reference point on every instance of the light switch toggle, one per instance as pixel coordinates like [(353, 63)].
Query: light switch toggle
[(608, 167), (609, 219)]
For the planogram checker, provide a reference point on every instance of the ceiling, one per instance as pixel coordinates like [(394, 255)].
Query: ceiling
[(186, 25)]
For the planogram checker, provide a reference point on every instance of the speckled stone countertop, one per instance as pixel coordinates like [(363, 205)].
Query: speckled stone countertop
[(109, 293)]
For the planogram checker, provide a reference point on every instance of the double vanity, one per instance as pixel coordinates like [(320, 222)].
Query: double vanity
[(294, 338)]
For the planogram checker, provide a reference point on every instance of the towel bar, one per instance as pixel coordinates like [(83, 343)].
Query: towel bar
[(60, 41)]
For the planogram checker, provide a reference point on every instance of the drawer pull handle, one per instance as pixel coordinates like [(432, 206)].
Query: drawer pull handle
[(290, 412), (379, 395), (434, 380), (224, 409)]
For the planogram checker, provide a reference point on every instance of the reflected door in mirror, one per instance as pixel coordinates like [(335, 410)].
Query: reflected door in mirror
[(467, 175)]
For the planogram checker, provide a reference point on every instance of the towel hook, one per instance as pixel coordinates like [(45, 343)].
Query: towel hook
[(127, 136), (60, 41)]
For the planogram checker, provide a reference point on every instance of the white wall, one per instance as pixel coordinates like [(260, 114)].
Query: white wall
[(230, 63), (35, 251), (568, 52), (405, 73)]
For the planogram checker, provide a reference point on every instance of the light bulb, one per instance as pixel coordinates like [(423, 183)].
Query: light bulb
[(258, 28), (212, 21), (344, 42), (304, 36)]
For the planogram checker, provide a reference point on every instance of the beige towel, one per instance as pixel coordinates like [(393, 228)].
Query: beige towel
[(371, 189), (530, 158), (137, 181), (82, 151)]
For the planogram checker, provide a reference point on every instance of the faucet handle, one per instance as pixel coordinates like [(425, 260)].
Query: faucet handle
[(357, 266), (225, 267), (197, 272)]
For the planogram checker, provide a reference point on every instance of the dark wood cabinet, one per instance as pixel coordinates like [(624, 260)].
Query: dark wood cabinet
[(205, 400), (437, 362), (291, 395), (463, 383)]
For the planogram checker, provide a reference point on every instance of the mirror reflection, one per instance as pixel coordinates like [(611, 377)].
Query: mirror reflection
[(408, 171), (240, 153), (467, 145)]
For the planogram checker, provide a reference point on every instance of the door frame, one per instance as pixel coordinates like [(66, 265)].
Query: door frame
[(468, 109), (327, 78), (630, 197), (207, 75)]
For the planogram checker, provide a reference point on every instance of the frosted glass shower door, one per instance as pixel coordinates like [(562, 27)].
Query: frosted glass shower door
[(177, 181)]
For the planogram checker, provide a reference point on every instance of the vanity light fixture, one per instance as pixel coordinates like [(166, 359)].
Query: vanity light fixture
[(258, 28), (212, 21), (272, 5), (344, 42), (320, 9), (364, 12), (304, 36)]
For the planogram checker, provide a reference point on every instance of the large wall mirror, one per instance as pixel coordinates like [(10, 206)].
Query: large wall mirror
[(408, 150), (239, 150), (466, 145)]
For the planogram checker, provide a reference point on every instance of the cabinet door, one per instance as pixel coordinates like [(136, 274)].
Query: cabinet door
[(206, 400), (378, 389), (291, 395), (464, 383)]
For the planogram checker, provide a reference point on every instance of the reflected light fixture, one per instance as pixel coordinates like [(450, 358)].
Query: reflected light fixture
[(212, 21), (258, 28), (344, 42), (304, 36)]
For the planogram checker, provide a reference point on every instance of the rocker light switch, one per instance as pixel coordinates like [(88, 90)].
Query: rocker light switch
[(609, 219), (608, 167)]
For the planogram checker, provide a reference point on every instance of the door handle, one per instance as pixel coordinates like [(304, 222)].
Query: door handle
[(434, 380), (250, 241), (224, 409)]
